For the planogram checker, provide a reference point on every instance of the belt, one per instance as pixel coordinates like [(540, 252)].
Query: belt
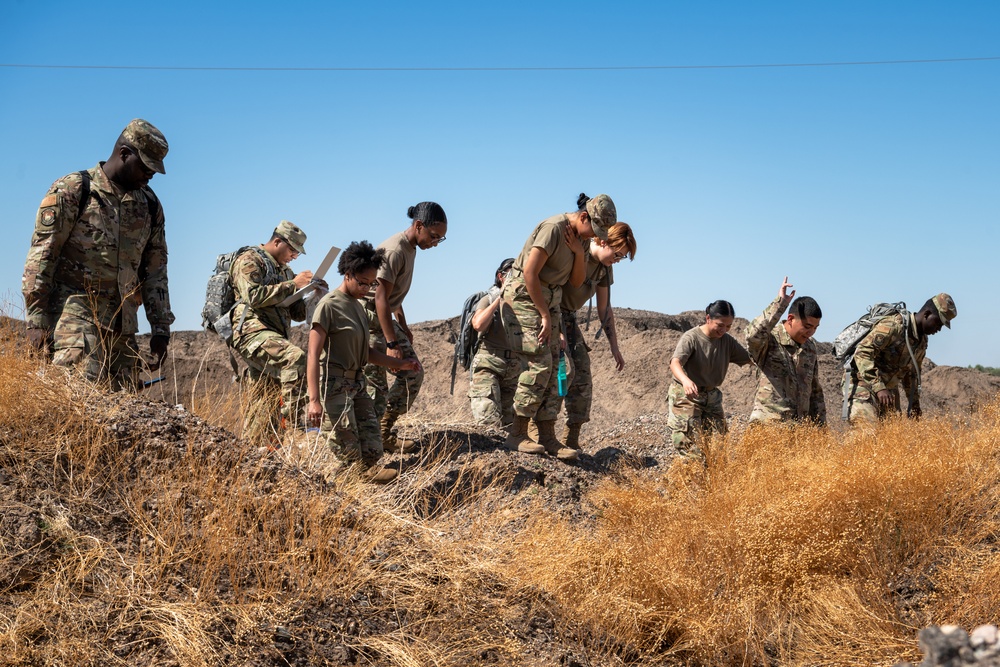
[(341, 373), (701, 390)]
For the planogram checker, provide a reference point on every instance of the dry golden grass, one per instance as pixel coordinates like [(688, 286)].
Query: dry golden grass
[(798, 546), (792, 549)]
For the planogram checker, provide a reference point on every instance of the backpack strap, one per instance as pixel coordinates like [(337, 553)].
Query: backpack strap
[(152, 203), (84, 192), (269, 274)]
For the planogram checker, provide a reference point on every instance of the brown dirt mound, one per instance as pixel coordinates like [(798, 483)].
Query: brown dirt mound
[(199, 362)]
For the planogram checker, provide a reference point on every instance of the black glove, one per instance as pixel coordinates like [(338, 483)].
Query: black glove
[(158, 347)]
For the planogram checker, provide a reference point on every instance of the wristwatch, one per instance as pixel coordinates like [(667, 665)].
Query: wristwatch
[(392, 344)]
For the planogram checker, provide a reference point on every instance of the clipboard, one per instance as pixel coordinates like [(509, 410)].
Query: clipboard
[(324, 266)]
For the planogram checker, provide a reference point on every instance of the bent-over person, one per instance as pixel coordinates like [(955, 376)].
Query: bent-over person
[(699, 367), (890, 356)]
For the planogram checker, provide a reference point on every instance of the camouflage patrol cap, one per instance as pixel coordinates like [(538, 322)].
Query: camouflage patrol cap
[(602, 215), (148, 141), (291, 233), (946, 308)]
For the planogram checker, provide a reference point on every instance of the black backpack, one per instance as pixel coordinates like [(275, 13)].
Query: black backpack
[(468, 338)]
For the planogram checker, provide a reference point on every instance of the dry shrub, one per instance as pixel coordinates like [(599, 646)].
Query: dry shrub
[(794, 548)]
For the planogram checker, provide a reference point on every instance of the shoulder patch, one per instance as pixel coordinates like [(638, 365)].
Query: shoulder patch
[(50, 200)]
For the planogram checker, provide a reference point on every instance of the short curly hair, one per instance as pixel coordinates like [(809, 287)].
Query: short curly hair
[(360, 256)]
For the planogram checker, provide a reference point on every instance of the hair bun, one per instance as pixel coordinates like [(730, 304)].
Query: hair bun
[(411, 212), (581, 201)]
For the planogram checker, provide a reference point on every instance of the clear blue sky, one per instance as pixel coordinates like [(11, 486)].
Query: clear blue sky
[(861, 183)]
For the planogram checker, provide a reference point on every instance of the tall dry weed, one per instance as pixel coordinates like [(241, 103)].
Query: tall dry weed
[(797, 546)]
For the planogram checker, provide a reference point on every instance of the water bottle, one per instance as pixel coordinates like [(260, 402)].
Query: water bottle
[(563, 380)]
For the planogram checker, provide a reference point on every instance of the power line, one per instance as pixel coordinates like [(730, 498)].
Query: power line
[(854, 63)]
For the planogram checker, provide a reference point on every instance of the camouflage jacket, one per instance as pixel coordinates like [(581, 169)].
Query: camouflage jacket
[(788, 385), (881, 360), (102, 264), (259, 289)]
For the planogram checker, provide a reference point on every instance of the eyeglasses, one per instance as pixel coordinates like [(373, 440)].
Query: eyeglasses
[(620, 256), (437, 238), (362, 283)]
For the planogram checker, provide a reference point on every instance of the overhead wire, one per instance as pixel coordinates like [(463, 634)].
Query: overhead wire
[(176, 68)]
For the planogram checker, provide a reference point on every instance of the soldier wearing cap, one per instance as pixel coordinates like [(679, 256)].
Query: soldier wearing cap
[(890, 356), (553, 256), (98, 251), (261, 281)]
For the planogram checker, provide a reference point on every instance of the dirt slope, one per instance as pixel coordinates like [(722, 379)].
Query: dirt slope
[(199, 361)]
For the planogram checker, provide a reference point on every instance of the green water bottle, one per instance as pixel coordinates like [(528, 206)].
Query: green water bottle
[(563, 383)]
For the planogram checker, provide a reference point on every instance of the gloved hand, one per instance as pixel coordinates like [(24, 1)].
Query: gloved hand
[(158, 347), (39, 338)]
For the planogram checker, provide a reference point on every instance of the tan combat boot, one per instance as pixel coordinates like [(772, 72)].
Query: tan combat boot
[(381, 476), (573, 436), (533, 430), (390, 442), (518, 438), (547, 439)]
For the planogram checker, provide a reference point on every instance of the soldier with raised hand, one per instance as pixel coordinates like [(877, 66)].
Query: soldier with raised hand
[(262, 280), (99, 250), (788, 387), (890, 356)]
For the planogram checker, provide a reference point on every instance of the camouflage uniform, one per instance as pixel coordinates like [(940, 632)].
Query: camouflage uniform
[(881, 361), (349, 420), (86, 275), (495, 370), (690, 417), (580, 393), (261, 327), (788, 385), (397, 399), (536, 394)]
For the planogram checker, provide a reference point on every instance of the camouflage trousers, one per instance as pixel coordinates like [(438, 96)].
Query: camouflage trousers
[(536, 384), (274, 361), (692, 417), (97, 353), (397, 399), (864, 405), (494, 381), (349, 422), (580, 394)]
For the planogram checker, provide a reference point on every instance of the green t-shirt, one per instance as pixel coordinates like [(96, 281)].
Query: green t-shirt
[(346, 324), (706, 360)]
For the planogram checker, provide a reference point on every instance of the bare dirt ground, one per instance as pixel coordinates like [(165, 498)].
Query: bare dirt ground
[(199, 362)]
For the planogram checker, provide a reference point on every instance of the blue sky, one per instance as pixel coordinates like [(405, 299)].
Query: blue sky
[(861, 183)]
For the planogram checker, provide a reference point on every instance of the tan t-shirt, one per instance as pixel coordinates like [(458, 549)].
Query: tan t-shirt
[(398, 267), (596, 275), (706, 360), (346, 324), (548, 236)]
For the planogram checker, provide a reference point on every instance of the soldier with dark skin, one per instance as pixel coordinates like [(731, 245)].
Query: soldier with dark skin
[(890, 356), (92, 262)]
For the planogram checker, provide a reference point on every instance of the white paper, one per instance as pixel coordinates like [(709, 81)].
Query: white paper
[(324, 266)]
